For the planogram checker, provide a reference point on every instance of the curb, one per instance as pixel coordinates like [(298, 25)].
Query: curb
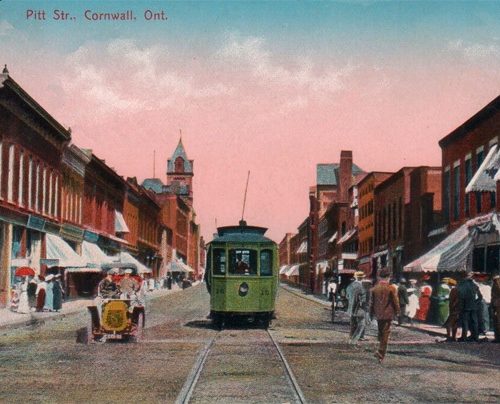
[(34, 321)]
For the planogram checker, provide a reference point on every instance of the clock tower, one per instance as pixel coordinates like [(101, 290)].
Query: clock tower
[(180, 173)]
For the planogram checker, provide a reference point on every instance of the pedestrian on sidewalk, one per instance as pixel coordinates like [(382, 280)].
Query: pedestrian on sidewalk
[(484, 304), (384, 306), (32, 287), (357, 308), (495, 306), (58, 292), (452, 321), (403, 300), (443, 301), (23, 306), (469, 295), (413, 304), (49, 293), (424, 300), (40, 293)]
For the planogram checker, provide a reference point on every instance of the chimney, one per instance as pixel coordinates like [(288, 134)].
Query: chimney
[(345, 174)]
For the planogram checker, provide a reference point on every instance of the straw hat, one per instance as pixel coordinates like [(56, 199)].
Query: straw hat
[(359, 274), (49, 277)]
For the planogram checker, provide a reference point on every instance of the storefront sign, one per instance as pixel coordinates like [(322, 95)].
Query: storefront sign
[(36, 223), (70, 232), (90, 236)]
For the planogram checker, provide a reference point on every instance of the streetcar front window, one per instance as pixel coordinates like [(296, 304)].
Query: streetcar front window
[(266, 263), (219, 261), (242, 262)]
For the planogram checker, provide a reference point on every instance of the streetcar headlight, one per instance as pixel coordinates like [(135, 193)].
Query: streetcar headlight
[(243, 289)]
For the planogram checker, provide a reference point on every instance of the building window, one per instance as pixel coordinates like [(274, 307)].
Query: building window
[(30, 182), (21, 180), (468, 177), (493, 200), (446, 194), (179, 165), (456, 192), (400, 217), (479, 157), (37, 188), (56, 197), (50, 194), (10, 175), (389, 222), (394, 235), (44, 191)]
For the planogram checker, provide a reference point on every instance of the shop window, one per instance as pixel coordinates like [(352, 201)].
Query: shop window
[(242, 262), (219, 261), (478, 259), (266, 263), (492, 259)]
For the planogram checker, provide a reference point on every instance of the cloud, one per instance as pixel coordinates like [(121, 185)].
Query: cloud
[(5, 28), (250, 53), (475, 51)]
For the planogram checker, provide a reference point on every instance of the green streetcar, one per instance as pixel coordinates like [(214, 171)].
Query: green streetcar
[(242, 274)]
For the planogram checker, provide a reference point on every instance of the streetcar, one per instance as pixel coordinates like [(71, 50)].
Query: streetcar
[(242, 274)]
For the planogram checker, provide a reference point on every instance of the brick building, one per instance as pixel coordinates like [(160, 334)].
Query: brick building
[(366, 224)]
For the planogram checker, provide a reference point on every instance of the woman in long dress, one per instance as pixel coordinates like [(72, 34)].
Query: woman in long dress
[(424, 302), (49, 294), (57, 291), (413, 306), (40, 294), (32, 286), (24, 306)]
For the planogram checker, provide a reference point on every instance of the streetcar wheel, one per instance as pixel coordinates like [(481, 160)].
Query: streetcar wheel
[(218, 320), (266, 321)]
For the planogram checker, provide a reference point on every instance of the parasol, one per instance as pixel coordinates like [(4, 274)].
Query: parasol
[(25, 271)]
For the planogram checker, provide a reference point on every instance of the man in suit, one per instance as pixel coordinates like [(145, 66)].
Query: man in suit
[(357, 307), (403, 300), (384, 306), (495, 305)]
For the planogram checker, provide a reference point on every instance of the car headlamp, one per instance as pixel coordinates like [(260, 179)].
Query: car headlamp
[(243, 290)]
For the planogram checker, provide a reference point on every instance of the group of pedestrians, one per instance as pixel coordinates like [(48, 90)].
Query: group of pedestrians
[(39, 294), (381, 302)]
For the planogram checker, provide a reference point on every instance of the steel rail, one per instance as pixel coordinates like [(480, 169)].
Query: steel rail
[(190, 383), (288, 370)]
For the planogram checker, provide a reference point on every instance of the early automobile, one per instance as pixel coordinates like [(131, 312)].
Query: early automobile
[(120, 317)]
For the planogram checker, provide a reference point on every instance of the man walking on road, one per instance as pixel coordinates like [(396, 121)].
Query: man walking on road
[(384, 305), (357, 307), (469, 296)]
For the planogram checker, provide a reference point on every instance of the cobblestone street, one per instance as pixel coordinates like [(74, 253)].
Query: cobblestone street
[(243, 366)]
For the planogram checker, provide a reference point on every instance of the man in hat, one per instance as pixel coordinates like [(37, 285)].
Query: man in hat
[(495, 305), (357, 307), (403, 300), (128, 285), (468, 297), (107, 288), (384, 305)]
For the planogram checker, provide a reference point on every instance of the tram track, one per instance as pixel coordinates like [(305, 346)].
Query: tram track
[(186, 394)]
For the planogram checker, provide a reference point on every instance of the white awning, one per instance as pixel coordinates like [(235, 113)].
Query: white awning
[(179, 266), (293, 271), (83, 270), (284, 268), (451, 254), (484, 180), (120, 224), (380, 253), (94, 256), (332, 239), (321, 267), (302, 248), (58, 249), (126, 258), (347, 236), (437, 232), (349, 256)]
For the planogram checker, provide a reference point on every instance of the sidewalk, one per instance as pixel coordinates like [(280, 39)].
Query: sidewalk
[(10, 319), (417, 326)]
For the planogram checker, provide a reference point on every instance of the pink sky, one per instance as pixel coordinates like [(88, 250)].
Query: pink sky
[(243, 106)]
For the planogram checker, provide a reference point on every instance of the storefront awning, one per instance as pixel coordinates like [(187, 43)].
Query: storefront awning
[(124, 258), (484, 180), (302, 248), (94, 256), (83, 270), (321, 267), (449, 255), (120, 224), (58, 249), (332, 239), (347, 236), (380, 253), (179, 266), (284, 268), (293, 271)]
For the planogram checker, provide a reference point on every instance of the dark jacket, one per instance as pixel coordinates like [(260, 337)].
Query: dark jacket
[(468, 295), (384, 302), (403, 295)]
